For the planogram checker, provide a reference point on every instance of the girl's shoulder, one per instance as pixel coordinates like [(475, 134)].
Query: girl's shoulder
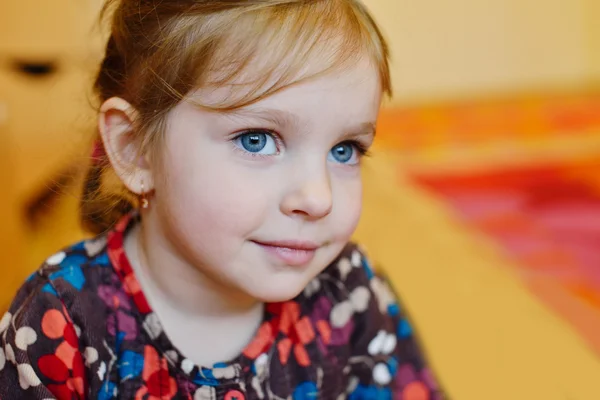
[(67, 283), (67, 270), (53, 329), (352, 290), (353, 275), (357, 308)]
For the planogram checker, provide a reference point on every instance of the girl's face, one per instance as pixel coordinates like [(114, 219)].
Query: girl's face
[(263, 198)]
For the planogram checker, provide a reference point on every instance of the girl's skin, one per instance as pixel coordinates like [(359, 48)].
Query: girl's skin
[(218, 198)]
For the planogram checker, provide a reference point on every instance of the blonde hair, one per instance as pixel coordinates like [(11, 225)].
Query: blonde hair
[(160, 51)]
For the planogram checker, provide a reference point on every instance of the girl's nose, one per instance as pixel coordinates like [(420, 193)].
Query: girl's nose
[(311, 197)]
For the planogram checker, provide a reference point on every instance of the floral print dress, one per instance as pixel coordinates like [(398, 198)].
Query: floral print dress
[(81, 328)]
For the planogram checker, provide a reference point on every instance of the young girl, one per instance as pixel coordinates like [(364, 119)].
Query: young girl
[(224, 189)]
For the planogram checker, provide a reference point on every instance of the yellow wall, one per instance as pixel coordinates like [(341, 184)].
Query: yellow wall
[(446, 49), (46, 118), (11, 227), (593, 32)]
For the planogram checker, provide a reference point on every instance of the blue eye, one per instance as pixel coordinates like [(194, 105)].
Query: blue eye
[(258, 142), (344, 153)]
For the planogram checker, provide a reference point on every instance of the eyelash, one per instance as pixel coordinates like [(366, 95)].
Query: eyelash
[(362, 149)]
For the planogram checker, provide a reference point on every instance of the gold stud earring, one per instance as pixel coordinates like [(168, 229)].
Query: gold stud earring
[(144, 203)]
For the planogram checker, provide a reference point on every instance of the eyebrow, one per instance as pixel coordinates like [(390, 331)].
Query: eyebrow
[(366, 128), (269, 115), (292, 121)]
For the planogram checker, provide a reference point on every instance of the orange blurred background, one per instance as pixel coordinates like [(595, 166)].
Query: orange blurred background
[(482, 201)]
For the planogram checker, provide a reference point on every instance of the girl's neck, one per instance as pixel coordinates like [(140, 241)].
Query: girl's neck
[(207, 322), (172, 279)]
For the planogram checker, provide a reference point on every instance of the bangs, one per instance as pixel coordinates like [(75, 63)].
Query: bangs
[(268, 48)]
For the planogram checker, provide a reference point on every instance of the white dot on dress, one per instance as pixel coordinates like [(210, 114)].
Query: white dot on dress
[(152, 326), (389, 344), (187, 366), (376, 345), (94, 246), (205, 393), (5, 322), (360, 298), (56, 259), (224, 373), (27, 377), (356, 259), (341, 314), (381, 374), (172, 356), (102, 371), (91, 355), (10, 354), (345, 268), (25, 337)]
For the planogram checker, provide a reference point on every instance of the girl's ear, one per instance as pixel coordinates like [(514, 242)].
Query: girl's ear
[(116, 123)]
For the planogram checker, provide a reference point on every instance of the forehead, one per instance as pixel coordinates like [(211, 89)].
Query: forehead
[(353, 88)]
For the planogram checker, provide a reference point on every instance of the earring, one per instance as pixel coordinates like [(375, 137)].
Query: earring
[(144, 203)]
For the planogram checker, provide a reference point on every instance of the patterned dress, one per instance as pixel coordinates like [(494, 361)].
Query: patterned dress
[(81, 328)]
